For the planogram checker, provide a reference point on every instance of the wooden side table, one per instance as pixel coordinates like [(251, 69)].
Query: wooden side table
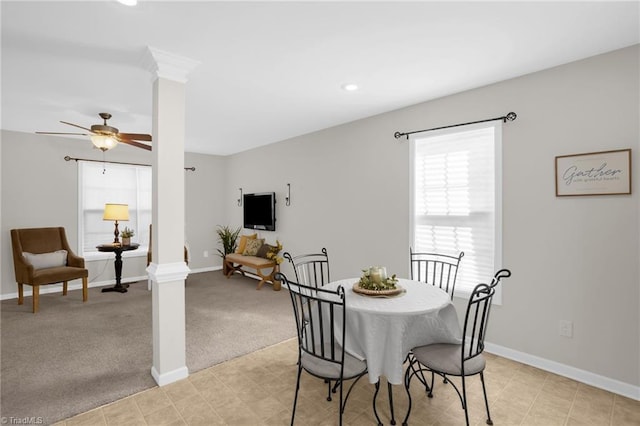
[(117, 249)]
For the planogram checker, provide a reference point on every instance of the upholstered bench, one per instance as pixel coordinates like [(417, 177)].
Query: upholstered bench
[(235, 262)]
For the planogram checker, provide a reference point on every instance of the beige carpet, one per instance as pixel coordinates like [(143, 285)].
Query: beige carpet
[(74, 356)]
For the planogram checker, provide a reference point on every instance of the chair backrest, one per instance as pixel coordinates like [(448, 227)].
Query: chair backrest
[(436, 269), (315, 311), (39, 240), (476, 318), (310, 269)]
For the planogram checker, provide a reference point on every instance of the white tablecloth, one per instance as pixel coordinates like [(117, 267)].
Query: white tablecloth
[(384, 330)]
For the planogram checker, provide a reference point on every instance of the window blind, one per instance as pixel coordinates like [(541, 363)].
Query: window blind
[(121, 184), (455, 200)]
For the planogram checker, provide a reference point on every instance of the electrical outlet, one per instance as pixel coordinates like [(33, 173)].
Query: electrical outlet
[(566, 328), (206, 253)]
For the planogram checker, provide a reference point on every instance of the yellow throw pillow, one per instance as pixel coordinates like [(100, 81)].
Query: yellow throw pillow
[(243, 242), (252, 247)]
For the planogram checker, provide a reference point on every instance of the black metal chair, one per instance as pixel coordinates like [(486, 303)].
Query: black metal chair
[(436, 269), (320, 352), (310, 269), (461, 360)]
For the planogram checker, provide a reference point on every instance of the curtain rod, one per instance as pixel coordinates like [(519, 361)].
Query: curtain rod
[(509, 117), (67, 158)]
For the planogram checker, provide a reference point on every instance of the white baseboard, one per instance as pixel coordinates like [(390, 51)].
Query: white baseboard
[(170, 377), (207, 269), (596, 380)]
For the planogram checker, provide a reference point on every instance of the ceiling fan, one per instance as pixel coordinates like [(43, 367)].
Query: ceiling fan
[(105, 137)]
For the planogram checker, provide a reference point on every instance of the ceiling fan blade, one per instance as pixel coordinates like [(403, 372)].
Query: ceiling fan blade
[(134, 143), (75, 125), (136, 136), (59, 133)]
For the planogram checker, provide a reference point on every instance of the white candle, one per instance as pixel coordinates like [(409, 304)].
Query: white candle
[(377, 274)]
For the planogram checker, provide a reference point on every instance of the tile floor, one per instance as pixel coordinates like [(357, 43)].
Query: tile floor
[(258, 389)]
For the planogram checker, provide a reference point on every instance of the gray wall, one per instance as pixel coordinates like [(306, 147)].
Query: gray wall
[(572, 258)]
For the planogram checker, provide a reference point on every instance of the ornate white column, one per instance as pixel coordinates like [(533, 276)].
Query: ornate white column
[(168, 271)]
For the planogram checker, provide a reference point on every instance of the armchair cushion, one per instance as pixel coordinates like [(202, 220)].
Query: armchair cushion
[(46, 260)]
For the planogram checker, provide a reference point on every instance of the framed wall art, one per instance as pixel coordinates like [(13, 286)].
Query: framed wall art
[(594, 173)]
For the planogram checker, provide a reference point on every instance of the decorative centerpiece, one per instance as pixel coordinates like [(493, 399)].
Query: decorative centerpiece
[(375, 282)]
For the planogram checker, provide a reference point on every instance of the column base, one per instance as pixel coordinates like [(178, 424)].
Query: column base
[(170, 376)]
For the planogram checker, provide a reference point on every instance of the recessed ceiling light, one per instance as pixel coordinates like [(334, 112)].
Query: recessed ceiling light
[(128, 2), (350, 87)]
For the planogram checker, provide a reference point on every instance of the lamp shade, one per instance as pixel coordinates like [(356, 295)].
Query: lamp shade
[(116, 212), (103, 142)]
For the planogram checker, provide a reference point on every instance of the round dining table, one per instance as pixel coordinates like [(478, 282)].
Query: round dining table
[(383, 330)]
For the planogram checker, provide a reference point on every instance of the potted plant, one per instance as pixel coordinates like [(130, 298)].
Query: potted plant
[(126, 235), (229, 239)]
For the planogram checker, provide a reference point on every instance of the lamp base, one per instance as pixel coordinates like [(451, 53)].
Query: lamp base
[(116, 241), (118, 288)]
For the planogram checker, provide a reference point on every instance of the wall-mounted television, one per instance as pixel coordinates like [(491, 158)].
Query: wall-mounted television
[(259, 211)]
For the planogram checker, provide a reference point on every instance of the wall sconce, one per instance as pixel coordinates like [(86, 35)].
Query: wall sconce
[(116, 212), (240, 199), (287, 199)]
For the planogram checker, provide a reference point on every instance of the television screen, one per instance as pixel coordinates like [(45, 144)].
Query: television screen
[(259, 211)]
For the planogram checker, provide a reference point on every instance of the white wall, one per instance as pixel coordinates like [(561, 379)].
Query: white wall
[(40, 188), (572, 258)]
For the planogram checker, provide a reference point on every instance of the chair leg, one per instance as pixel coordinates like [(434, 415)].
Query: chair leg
[(64, 288), (375, 397), (486, 401), (36, 298), (433, 383), (464, 400), (393, 416), (341, 405), (85, 291), (20, 294), (295, 398), (407, 386)]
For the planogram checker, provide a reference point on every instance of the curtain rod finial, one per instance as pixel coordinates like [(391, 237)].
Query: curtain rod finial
[(510, 116), (397, 135)]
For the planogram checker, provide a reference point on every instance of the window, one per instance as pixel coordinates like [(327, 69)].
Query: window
[(117, 183), (456, 199)]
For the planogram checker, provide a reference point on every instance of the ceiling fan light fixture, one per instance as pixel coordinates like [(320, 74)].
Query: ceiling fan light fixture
[(103, 142)]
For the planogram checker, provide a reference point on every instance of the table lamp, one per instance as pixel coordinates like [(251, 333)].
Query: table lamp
[(116, 212)]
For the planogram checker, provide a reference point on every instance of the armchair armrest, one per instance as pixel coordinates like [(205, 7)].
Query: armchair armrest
[(23, 268), (74, 260)]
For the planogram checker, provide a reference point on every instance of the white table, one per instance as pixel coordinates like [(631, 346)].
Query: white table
[(384, 330)]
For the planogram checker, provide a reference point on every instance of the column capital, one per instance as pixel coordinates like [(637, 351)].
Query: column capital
[(167, 65)]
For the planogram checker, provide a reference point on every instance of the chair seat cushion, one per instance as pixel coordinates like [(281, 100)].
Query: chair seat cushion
[(353, 367), (446, 358), (56, 275)]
